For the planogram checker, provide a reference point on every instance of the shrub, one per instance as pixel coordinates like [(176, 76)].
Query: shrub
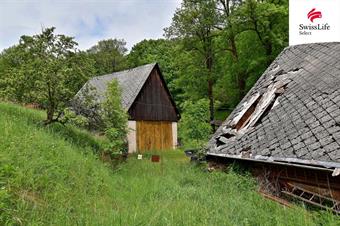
[(194, 127), (115, 118), (70, 117), (106, 116), (86, 103)]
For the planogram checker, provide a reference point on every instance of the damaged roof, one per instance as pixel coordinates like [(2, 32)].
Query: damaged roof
[(291, 115), (131, 82)]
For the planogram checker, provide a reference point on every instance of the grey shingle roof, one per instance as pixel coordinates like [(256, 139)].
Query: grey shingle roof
[(131, 82), (301, 124)]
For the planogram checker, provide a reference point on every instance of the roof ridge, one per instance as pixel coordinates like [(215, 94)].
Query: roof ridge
[(126, 70)]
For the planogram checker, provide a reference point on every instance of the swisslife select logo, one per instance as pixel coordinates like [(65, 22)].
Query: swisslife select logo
[(312, 21), (312, 15), (307, 29)]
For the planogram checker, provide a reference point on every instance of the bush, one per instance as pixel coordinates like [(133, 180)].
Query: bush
[(115, 119), (86, 104), (194, 127), (106, 117), (70, 117)]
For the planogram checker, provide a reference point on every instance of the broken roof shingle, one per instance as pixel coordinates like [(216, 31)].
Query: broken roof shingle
[(303, 125), (131, 82)]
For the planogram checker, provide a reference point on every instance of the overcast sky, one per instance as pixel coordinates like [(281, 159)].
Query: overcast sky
[(87, 21)]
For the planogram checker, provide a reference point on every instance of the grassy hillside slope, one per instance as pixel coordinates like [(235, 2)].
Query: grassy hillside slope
[(51, 176)]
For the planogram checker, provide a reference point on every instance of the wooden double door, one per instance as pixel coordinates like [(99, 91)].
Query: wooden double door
[(154, 135)]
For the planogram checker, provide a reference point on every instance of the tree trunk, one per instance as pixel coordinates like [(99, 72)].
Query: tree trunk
[(51, 106), (269, 47), (50, 114), (241, 83), (241, 76), (209, 64), (269, 51), (211, 101), (233, 49)]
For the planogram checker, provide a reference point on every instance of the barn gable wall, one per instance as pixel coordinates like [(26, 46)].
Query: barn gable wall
[(153, 103)]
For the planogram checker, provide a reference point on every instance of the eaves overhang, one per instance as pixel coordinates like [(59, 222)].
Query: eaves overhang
[(332, 167)]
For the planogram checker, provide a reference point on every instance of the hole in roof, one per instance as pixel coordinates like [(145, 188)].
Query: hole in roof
[(271, 104), (295, 69), (244, 120), (267, 110), (260, 107), (252, 113), (223, 139), (225, 136), (280, 72), (219, 142), (246, 152), (228, 135)]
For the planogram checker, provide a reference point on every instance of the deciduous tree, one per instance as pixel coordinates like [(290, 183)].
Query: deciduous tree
[(46, 69), (109, 55), (195, 22)]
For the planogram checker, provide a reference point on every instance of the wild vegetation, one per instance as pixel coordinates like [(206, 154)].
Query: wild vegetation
[(52, 169), (43, 69), (115, 119), (213, 49), (194, 136), (53, 177)]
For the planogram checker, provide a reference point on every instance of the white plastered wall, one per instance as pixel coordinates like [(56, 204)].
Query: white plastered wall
[(132, 139), (174, 135)]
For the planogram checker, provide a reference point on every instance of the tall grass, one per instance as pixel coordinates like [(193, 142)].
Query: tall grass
[(50, 178)]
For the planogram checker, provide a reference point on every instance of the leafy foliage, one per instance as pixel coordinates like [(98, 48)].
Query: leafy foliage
[(194, 128), (86, 104), (115, 118), (109, 55), (105, 116), (45, 70), (70, 117), (163, 52), (194, 22)]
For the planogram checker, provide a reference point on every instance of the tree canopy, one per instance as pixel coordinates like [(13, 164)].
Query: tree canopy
[(44, 69), (109, 55)]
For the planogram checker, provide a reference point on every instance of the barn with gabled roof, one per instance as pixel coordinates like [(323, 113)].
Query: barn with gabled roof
[(153, 114), (287, 128)]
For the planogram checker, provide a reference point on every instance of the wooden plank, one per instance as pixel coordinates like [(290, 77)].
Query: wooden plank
[(276, 199), (154, 135), (245, 108), (265, 101), (153, 102)]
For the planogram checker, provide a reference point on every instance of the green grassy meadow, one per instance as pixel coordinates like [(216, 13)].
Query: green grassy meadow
[(53, 176)]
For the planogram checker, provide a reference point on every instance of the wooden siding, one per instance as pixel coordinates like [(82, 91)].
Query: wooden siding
[(154, 102), (154, 135)]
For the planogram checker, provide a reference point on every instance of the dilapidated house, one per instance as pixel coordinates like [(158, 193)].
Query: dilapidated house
[(152, 111), (287, 128)]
